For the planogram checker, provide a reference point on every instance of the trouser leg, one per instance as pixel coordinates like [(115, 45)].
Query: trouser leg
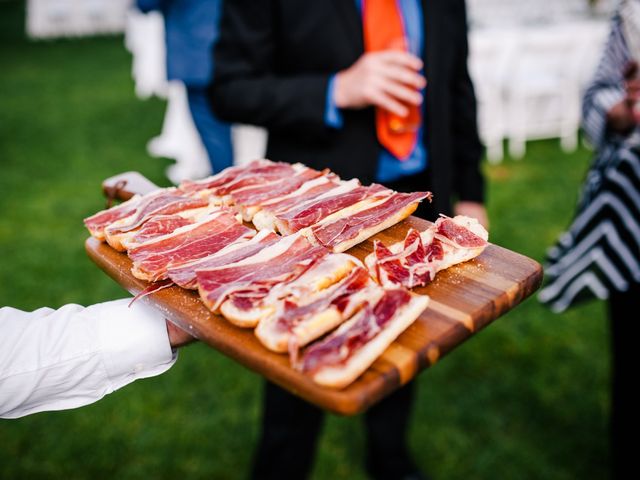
[(290, 429), (624, 312), (387, 425)]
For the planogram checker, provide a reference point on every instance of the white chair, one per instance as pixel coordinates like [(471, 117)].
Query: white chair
[(249, 143), (56, 18), (543, 91), (490, 51), (144, 37), (179, 139)]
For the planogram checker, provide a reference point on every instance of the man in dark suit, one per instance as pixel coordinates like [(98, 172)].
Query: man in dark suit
[(311, 73)]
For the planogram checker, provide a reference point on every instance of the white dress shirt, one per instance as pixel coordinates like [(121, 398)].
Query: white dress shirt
[(73, 356)]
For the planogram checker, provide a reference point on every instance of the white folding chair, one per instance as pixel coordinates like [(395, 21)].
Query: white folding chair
[(489, 57), (543, 91)]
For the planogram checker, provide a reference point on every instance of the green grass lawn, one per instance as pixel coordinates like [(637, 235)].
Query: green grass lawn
[(525, 399)]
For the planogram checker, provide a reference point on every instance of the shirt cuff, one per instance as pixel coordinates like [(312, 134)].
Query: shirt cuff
[(133, 340), (332, 114)]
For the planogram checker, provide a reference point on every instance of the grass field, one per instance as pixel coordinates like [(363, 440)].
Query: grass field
[(525, 399)]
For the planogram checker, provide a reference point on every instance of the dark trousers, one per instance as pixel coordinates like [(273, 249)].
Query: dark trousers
[(624, 314), (290, 429)]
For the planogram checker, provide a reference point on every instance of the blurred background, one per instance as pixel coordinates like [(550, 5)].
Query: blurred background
[(84, 96)]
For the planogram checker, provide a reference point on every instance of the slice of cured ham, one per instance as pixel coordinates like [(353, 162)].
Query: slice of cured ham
[(415, 261), (306, 192), (98, 222), (348, 227), (314, 211), (219, 229), (300, 319), (253, 305), (162, 202), (248, 281), (166, 203), (184, 275), (259, 172), (227, 175), (258, 176), (156, 227), (252, 197), (306, 195), (338, 359)]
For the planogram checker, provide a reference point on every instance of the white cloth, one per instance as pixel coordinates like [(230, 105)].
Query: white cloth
[(73, 356)]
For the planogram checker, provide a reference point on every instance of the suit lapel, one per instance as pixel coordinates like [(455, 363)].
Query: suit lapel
[(352, 22)]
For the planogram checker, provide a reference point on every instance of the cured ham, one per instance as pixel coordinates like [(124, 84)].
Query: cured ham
[(333, 201), (338, 359), (226, 176), (164, 202), (415, 261), (351, 226), (258, 176), (306, 192), (98, 222), (152, 259), (184, 275), (248, 281), (250, 198), (252, 306), (156, 227), (258, 172), (300, 319)]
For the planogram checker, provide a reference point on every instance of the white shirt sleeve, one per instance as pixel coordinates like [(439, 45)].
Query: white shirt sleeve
[(73, 356)]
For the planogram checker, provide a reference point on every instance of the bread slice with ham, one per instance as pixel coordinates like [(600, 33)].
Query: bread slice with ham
[(247, 309), (315, 303), (98, 222), (249, 200), (342, 356), (211, 234), (247, 282), (345, 228), (265, 217), (164, 202), (311, 212), (184, 275), (421, 255)]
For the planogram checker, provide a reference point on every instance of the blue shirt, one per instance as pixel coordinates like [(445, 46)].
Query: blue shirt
[(191, 29), (389, 167)]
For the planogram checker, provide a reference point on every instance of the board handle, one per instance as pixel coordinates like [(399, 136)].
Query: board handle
[(125, 185)]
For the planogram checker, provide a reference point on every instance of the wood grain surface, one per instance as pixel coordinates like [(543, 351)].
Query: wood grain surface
[(464, 299)]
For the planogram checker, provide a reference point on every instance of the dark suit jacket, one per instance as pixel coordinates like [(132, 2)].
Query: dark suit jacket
[(272, 64)]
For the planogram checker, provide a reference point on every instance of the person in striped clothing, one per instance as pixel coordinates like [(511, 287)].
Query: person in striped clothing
[(599, 255)]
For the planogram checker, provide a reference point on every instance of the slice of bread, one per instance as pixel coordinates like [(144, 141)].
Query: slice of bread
[(369, 232), (339, 376), (242, 317)]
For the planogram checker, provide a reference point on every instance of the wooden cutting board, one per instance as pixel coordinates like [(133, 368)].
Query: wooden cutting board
[(464, 299)]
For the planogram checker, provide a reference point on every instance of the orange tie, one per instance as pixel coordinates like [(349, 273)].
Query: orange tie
[(383, 30)]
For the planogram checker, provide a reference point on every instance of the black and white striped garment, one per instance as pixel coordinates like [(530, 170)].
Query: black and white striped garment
[(600, 252)]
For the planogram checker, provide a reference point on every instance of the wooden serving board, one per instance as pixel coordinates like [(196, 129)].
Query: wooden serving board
[(464, 299)]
